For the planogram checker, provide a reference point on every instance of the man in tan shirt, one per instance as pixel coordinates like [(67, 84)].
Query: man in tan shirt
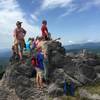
[(19, 34)]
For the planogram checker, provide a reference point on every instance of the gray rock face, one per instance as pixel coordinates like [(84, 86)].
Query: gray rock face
[(55, 91), (3, 94), (23, 87), (81, 69), (85, 94), (56, 55)]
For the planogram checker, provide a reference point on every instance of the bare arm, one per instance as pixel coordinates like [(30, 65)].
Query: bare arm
[(24, 31), (15, 34)]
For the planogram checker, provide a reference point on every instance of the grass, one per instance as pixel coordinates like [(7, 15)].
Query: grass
[(93, 89)]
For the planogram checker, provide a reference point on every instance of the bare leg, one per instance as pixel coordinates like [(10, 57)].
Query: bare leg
[(16, 48), (21, 50), (20, 54), (40, 81), (37, 80)]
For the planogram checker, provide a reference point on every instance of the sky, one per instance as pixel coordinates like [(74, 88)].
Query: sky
[(74, 21)]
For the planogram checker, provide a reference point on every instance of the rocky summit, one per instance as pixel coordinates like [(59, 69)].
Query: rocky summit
[(18, 84)]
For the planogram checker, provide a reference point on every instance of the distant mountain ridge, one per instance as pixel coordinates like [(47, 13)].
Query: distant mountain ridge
[(91, 46), (4, 56), (5, 53)]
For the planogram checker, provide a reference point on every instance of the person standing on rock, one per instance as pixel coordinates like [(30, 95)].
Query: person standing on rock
[(40, 68), (44, 30), (41, 45), (19, 42)]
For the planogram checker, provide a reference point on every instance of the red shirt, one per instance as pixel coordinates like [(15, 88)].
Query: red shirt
[(44, 30)]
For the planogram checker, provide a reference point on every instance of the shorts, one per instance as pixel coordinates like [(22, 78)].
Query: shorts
[(40, 72), (19, 44)]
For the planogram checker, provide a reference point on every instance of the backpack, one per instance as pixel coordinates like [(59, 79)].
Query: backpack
[(28, 45), (34, 61), (69, 88)]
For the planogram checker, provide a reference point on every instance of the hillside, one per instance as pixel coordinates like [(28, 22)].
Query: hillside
[(4, 56), (93, 47), (4, 60)]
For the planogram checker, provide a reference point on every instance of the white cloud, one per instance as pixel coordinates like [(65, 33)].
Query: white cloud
[(10, 12), (70, 5), (71, 9), (87, 5), (52, 4), (90, 40), (55, 3), (71, 42), (96, 2), (66, 4), (80, 7), (34, 17)]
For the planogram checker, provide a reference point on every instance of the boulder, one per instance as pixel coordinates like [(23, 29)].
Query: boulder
[(54, 90), (3, 93), (87, 95)]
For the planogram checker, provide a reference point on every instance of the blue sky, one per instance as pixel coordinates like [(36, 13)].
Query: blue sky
[(75, 21)]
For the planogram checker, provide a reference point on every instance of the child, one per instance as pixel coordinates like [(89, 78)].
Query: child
[(28, 49), (28, 44), (40, 69), (32, 45), (43, 47), (33, 62), (44, 30)]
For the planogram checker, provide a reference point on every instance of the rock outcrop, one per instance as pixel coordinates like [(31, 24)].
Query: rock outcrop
[(18, 84)]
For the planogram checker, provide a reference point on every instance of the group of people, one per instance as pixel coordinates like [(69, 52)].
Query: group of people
[(35, 47)]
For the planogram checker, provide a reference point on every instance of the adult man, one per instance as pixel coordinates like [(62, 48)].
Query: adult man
[(19, 34)]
